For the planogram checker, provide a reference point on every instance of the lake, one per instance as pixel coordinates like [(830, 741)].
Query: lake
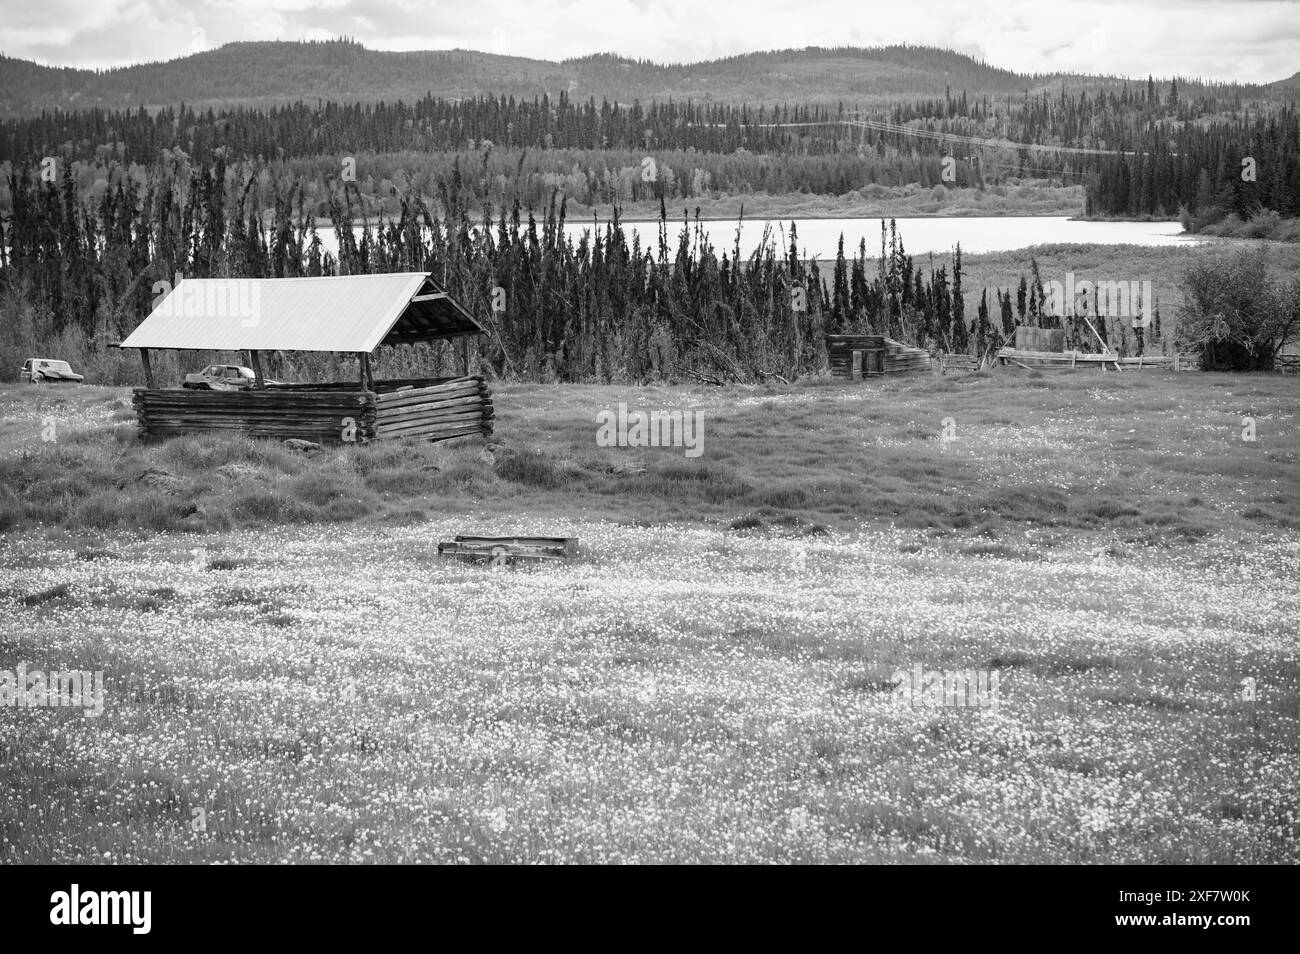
[(819, 237)]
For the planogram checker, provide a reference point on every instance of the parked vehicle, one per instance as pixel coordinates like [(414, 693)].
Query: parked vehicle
[(39, 370), (222, 377)]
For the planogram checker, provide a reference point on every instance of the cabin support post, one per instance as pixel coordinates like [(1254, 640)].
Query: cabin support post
[(367, 377), (259, 379), (148, 370)]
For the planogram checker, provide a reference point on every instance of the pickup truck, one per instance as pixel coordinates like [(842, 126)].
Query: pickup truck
[(37, 370)]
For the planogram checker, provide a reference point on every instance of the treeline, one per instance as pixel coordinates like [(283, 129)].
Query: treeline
[(1240, 168), (501, 176), (595, 310), (1114, 119), (1177, 151)]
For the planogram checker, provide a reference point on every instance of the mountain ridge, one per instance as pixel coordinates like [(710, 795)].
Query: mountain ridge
[(263, 73)]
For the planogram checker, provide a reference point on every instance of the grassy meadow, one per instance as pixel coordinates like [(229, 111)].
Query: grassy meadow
[(293, 674)]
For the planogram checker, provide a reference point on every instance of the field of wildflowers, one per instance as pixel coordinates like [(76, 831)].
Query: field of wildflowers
[(715, 689)]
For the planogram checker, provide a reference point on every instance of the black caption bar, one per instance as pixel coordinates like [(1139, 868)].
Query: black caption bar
[(139, 905)]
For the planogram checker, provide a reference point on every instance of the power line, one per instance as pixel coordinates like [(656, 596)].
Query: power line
[(881, 125), (936, 136)]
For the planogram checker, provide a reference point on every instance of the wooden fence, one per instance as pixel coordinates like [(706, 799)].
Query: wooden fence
[(327, 414)]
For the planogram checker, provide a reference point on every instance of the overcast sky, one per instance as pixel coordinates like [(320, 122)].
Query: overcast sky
[(1248, 40)]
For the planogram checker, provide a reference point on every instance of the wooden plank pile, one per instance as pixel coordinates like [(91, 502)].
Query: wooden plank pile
[(1056, 359), (1173, 362), (900, 358), (958, 362), (438, 412), (499, 550), (322, 416), (1104, 360)]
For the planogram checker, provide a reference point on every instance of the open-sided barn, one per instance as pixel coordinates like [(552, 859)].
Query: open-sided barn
[(348, 314)]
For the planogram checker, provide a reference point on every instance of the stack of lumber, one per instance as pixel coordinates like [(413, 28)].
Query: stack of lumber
[(438, 412), (1056, 359), (958, 362), (1173, 362), (322, 416), (1075, 359), (900, 358), (509, 549)]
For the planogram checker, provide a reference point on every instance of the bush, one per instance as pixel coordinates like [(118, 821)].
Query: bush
[(1234, 314)]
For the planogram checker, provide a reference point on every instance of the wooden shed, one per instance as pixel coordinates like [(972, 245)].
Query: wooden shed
[(864, 356), (348, 314), (856, 356)]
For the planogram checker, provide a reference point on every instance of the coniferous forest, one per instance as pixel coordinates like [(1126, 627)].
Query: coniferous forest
[(99, 206)]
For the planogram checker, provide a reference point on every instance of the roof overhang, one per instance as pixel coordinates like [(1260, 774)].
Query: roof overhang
[(355, 313)]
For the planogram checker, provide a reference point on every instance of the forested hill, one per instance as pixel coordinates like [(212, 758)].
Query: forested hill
[(263, 74)]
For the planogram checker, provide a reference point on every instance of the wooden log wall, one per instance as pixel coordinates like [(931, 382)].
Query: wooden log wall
[(840, 350), (453, 409), (321, 416), (436, 412)]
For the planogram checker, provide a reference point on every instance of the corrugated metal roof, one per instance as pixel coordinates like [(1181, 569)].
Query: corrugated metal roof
[(343, 313)]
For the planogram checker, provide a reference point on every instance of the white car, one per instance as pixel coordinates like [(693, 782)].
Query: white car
[(38, 370)]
